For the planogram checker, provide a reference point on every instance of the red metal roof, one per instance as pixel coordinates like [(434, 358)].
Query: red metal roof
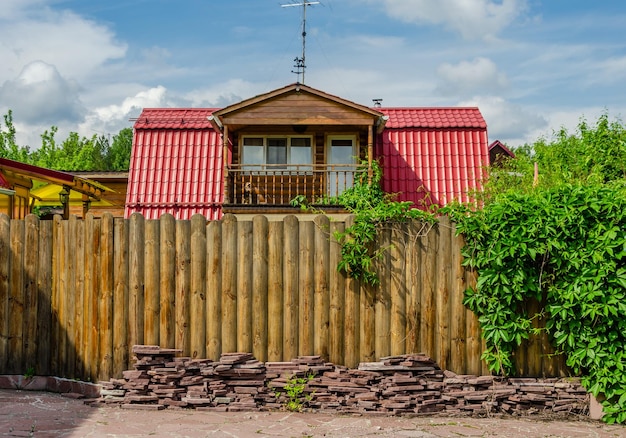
[(429, 156), (451, 117), (3, 182), (176, 165), (432, 156)]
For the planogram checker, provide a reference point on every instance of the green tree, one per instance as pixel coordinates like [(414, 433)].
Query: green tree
[(118, 154), (592, 154), (8, 144)]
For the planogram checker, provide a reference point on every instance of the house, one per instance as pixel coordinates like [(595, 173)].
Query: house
[(46, 197), (16, 186), (257, 155), (499, 152)]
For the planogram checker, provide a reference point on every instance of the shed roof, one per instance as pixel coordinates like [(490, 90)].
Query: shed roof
[(431, 156), (176, 165)]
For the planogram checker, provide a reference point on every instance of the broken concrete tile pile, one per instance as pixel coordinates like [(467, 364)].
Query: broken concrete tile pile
[(408, 384)]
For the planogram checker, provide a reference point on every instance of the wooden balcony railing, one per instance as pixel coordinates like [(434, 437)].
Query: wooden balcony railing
[(278, 184)]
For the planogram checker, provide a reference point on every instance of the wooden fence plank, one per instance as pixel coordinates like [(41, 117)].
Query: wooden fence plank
[(61, 340), (31, 298), (428, 245), (121, 304), (383, 298), (55, 300), (214, 290), (229, 283), (183, 286), (107, 284), (398, 288), (44, 297), (352, 320), (336, 291), (5, 263), (415, 229), (152, 282), (81, 320), (458, 323), (442, 293), (260, 229), (244, 286), (321, 289), (17, 363), (167, 281), (291, 287), (136, 253), (307, 284), (197, 320), (275, 282), (93, 238)]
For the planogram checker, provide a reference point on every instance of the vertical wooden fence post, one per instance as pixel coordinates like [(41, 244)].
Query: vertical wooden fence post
[(44, 290), (321, 289), (167, 281), (260, 229), (229, 283), (337, 290), (136, 252), (352, 314), (305, 299), (244, 286), (214, 290), (152, 280), (5, 263), (291, 284), (31, 291), (183, 286), (107, 285), (275, 293), (197, 308), (398, 286), (121, 303)]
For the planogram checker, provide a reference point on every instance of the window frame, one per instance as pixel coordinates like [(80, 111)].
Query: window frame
[(265, 138)]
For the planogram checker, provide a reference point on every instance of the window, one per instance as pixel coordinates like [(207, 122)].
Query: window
[(341, 155), (277, 151)]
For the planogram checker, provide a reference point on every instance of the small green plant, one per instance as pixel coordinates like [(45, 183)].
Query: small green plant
[(294, 389), (30, 373)]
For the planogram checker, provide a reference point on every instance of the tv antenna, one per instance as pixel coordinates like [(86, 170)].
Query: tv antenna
[(300, 63)]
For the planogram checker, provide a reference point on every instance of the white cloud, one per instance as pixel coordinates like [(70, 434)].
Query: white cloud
[(111, 119), (219, 95), (74, 45), (473, 19), (40, 94), (508, 122), (471, 77)]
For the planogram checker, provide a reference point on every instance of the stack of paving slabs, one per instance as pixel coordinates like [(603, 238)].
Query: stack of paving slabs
[(397, 385)]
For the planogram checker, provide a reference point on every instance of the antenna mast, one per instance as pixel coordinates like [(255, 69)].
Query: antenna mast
[(300, 63)]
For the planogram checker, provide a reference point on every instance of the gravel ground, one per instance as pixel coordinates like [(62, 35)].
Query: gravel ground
[(42, 414)]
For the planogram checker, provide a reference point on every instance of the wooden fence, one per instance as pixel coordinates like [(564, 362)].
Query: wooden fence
[(75, 295)]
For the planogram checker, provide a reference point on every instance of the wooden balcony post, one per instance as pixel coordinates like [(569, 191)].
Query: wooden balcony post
[(370, 153), (226, 174)]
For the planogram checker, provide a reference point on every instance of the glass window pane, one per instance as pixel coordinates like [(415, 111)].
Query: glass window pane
[(276, 151), (301, 151), (252, 150)]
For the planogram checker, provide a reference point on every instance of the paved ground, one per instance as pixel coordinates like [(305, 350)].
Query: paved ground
[(42, 414)]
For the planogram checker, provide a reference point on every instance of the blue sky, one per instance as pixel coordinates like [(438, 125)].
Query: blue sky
[(531, 66)]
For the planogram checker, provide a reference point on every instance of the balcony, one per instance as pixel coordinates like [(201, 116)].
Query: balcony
[(278, 184)]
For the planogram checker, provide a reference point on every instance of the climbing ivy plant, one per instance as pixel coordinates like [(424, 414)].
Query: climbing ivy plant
[(373, 209), (566, 247)]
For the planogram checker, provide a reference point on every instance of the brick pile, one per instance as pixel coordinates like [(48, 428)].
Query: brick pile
[(398, 385)]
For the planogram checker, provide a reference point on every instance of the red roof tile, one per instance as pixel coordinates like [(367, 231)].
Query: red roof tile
[(433, 155), (453, 117), (176, 165)]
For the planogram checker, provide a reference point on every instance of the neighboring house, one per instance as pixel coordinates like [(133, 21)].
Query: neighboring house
[(16, 183), (257, 155), (498, 152), (111, 200)]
